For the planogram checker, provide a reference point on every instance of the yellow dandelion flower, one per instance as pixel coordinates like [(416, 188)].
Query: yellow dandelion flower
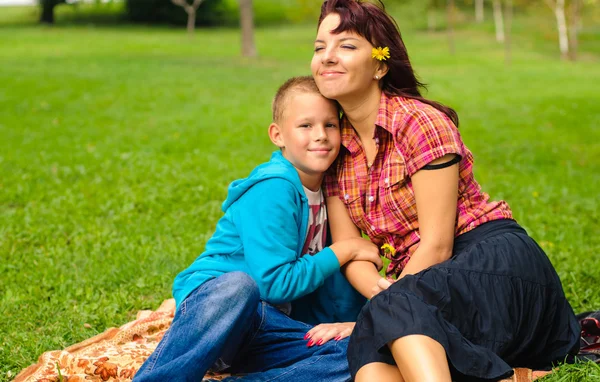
[(380, 53), (388, 249)]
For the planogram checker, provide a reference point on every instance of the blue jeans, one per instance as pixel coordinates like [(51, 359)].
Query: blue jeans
[(224, 326)]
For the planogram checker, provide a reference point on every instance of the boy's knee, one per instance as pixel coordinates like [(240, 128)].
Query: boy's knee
[(239, 286)]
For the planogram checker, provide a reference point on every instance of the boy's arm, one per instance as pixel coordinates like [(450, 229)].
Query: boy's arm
[(267, 217), (361, 274)]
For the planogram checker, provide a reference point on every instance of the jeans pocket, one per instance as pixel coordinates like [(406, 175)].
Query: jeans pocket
[(183, 307)]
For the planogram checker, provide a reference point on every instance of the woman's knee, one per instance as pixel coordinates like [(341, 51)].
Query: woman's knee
[(378, 371)]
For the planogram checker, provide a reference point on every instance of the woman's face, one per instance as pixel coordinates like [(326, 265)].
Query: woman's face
[(342, 64)]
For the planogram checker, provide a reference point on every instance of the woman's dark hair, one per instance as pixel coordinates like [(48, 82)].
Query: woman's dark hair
[(373, 23)]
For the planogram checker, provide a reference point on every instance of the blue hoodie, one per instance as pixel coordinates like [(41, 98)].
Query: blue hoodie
[(262, 233)]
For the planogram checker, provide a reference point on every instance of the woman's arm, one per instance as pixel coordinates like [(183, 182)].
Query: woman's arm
[(362, 275), (436, 195)]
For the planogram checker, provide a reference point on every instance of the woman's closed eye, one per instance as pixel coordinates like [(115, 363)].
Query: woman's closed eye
[(349, 47)]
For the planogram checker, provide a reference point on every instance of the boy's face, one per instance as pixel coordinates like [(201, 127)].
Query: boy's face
[(308, 135)]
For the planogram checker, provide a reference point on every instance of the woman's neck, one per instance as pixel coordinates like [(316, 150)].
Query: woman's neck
[(362, 112)]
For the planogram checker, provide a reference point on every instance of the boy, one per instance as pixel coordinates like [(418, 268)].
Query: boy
[(267, 260)]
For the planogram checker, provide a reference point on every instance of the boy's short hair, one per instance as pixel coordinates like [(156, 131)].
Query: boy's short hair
[(301, 84)]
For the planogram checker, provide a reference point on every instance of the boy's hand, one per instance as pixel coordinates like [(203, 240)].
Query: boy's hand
[(364, 250), (325, 332), (357, 248)]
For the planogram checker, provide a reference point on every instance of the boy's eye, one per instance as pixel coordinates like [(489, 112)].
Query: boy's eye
[(332, 125), (305, 125)]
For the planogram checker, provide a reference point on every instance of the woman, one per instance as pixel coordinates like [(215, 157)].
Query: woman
[(475, 295)]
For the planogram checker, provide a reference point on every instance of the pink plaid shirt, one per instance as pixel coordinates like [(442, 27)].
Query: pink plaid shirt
[(409, 134)]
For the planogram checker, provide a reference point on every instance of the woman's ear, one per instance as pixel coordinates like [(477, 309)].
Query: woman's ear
[(382, 69), (276, 136)]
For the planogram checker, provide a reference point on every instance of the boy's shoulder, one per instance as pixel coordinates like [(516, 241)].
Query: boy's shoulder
[(276, 179)]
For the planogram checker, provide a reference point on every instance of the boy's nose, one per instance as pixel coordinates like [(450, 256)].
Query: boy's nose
[(319, 133)]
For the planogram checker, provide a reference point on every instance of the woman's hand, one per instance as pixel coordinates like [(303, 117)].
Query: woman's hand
[(382, 284), (325, 332)]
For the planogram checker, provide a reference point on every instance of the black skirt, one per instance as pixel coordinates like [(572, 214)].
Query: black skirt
[(496, 304)]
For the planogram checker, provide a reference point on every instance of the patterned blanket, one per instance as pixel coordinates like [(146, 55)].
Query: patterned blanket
[(116, 354)]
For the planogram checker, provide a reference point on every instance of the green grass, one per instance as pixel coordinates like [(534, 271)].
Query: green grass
[(577, 372), (118, 143)]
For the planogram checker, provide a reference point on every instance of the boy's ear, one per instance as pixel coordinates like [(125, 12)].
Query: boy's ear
[(275, 135)]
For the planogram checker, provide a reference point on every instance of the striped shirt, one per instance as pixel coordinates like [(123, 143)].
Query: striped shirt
[(409, 134)]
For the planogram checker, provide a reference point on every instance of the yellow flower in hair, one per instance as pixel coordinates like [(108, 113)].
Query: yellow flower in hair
[(380, 53), (388, 249)]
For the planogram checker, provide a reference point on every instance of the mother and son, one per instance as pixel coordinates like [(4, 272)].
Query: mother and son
[(468, 295)]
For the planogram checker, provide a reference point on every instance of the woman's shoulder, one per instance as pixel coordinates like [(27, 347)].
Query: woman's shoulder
[(414, 117), (413, 107)]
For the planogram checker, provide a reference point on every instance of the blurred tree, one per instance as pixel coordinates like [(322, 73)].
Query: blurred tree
[(558, 7), (450, 15), (432, 11), (574, 26), (209, 12), (507, 41), (247, 27), (190, 9), (499, 20), (47, 14), (479, 11)]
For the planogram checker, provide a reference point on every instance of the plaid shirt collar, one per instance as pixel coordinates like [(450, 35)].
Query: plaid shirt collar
[(350, 139)]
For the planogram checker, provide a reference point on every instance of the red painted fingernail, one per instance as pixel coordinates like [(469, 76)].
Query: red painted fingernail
[(338, 338), (307, 336), (310, 343), (320, 342)]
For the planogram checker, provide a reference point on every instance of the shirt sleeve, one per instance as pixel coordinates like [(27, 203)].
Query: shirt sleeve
[(267, 218), (425, 135)]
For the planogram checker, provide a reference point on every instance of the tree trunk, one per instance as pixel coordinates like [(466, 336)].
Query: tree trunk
[(191, 21), (574, 29), (479, 11), (563, 39), (431, 24), (47, 15), (558, 7), (498, 21), (507, 47), (191, 12), (450, 16), (247, 26)]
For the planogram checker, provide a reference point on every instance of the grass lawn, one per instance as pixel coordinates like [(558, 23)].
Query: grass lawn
[(118, 143)]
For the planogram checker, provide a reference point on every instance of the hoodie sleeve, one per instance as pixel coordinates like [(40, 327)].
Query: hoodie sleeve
[(268, 218)]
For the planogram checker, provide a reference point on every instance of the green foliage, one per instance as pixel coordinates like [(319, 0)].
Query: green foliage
[(577, 372), (118, 143), (210, 12), (268, 12), (224, 12)]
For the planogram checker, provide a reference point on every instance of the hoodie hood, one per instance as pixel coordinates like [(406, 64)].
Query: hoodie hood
[(277, 167)]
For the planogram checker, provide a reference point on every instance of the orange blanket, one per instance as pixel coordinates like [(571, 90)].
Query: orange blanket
[(116, 354)]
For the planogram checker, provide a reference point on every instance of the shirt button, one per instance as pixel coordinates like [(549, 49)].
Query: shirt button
[(377, 140), (372, 228), (346, 196), (371, 198), (387, 180)]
